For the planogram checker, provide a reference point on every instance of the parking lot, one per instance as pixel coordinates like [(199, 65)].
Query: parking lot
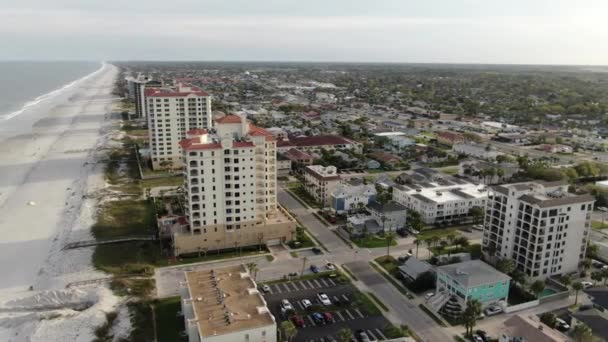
[(349, 309)]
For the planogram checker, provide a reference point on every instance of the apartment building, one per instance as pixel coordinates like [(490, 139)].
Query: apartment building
[(319, 142), (539, 225), (230, 178), (348, 197), (320, 182), (172, 112), (441, 201), (224, 305)]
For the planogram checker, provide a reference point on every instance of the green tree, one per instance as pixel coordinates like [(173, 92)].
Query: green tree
[(390, 239), (582, 333), (537, 287), (477, 214), (414, 220), (253, 269), (345, 335), (576, 286), (417, 242), (597, 276), (519, 277), (549, 319), (289, 330), (505, 266), (470, 315), (592, 250)]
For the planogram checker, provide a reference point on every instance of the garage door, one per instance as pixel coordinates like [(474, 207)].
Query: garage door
[(273, 242)]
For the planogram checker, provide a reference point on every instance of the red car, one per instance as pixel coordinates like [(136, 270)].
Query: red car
[(328, 317), (297, 321)]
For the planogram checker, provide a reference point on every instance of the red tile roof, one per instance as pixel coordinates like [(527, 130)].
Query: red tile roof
[(297, 154), (159, 92), (259, 131), (228, 119), (319, 140), (197, 131)]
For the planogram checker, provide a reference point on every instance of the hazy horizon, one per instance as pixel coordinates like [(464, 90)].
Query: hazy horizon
[(540, 32)]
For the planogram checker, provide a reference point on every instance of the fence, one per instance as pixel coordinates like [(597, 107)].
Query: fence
[(522, 306)]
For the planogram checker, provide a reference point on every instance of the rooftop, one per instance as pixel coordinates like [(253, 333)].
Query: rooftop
[(180, 90), (229, 119), (436, 193), (388, 207), (544, 194), (473, 273), (318, 140), (226, 300), (528, 328), (322, 172)]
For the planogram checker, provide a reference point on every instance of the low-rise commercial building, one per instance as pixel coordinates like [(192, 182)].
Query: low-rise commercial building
[(224, 305), (476, 150), (317, 143), (539, 225)]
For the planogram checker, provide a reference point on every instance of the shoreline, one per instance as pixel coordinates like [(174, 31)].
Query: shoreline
[(46, 96)]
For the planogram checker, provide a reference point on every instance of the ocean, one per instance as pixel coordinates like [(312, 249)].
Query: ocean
[(23, 84)]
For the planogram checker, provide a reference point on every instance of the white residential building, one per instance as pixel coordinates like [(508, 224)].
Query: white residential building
[(320, 182), (438, 203), (347, 197), (136, 88), (539, 225), (230, 176), (224, 305), (476, 150), (171, 113)]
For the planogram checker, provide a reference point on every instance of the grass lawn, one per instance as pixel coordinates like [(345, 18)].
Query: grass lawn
[(304, 196), (372, 241), (215, 255), (450, 170), (168, 324), (303, 238), (440, 232), (598, 225), (388, 263), (167, 181)]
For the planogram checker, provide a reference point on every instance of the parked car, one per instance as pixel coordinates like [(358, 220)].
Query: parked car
[(316, 250), (587, 284), (306, 303), (314, 269), (476, 338), (323, 298), (429, 295), (298, 321), (286, 305), (484, 335), (265, 288), (561, 325), (328, 317), (318, 318), (330, 266), (402, 232), (364, 337), (493, 310)]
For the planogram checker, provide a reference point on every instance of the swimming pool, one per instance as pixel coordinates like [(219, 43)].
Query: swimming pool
[(547, 292)]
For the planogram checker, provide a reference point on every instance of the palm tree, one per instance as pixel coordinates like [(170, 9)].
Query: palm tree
[(417, 243), (450, 238), (383, 219), (345, 335), (576, 286), (435, 239), (470, 315), (500, 173), (537, 287), (252, 267), (429, 244), (582, 333), (390, 238), (289, 330)]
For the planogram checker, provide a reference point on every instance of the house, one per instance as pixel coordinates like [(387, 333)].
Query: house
[(520, 328), (555, 148), (595, 319), (298, 158), (476, 150), (283, 165), (373, 164), (320, 181), (385, 181), (318, 142), (450, 138), (347, 197), (413, 268), (478, 171), (386, 158), (390, 215), (470, 280)]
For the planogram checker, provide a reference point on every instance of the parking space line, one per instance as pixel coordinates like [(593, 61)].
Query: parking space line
[(312, 323), (369, 332), (286, 288), (303, 286), (310, 284), (277, 288), (345, 297), (340, 315), (324, 283), (300, 305), (359, 312), (331, 282), (270, 290), (295, 288), (317, 282), (379, 332), (349, 314)]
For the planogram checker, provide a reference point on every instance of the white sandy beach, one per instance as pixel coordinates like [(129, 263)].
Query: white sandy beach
[(45, 171)]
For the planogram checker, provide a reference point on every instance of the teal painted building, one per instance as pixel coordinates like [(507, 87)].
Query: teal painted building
[(473, 279)]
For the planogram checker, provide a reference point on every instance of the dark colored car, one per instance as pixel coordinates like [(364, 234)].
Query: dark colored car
[(316, 250), (297, 321), (318, 318), (314, 269), (484, 335), (328, 317)]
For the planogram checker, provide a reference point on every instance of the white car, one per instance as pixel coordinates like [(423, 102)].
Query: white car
[(266, 288), (306, 303), (493, 310), (324, 299), (561, 324), (429, 295), (587, 284), (286, 305), (330, 266)]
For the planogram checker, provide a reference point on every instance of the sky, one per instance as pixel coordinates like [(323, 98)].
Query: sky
[(421, 31)]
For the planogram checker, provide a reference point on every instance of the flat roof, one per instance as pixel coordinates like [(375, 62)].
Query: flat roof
[(226, 300), (473, 273), (436, 193)]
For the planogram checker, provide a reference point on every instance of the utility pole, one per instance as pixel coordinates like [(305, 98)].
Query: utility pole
[(303, 265)]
